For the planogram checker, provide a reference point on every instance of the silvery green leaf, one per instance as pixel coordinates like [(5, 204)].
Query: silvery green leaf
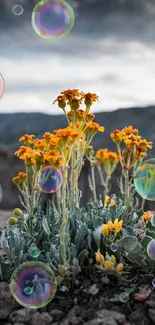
[(97, 236), (46, 227)]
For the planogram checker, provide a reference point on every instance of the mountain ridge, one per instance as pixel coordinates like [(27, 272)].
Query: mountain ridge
[(14, 125)]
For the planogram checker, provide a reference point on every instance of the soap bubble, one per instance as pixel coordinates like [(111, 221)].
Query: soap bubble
[(49, 179), (144, 179), (151, 249), (124, 297), (2, 86), (52, 19), (1, 193), (33, 284), (34, 251), (153, 282), (114, 247), (17, 10)]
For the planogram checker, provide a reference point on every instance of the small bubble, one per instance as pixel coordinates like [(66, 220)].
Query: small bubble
[(114, 247), (151, 249), (28, 291), (17, 10), (124, 297), (34, 251)]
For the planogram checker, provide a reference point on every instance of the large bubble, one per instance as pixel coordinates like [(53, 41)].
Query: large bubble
[(151, 249), (144, 179), (52, 19), (49, 179), (33, 284), (2, 86), (17, 10), (1, 193)]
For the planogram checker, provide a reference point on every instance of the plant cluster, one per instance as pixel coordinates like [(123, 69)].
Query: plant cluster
[(111, 235)]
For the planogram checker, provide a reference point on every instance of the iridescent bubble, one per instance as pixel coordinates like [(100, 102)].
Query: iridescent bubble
[(49, 179), (151, 249), (52, 19), (33, 284), (144, 179), (17, 10), (2, 86), (153, 282), (114, 247), (124, 297), (1, 193), (34, 251)]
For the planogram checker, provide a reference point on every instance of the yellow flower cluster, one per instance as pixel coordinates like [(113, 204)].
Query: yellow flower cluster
[(108, 202), (147, 216), (134, 144), (108, 159), (109, 264), (112, 227)]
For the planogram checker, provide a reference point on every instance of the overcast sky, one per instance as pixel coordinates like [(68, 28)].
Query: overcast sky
[(110, 51)]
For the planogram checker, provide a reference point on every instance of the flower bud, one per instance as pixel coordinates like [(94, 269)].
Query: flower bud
[(119, 268), (16, 180), (105, 230), (12, 221), (17, 212), (108, 265)]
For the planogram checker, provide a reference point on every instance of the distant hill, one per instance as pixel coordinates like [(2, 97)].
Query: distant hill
[(13, 126)]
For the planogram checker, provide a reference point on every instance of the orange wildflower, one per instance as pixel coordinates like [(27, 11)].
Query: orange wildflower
[(39, 144), (144, 144), (130, 130), (117, 136), (22, 150), (89, 98), (94, 127), (90, 117), (147, 216), (61, 101), (29, 158), (27, 139), (22, 176)]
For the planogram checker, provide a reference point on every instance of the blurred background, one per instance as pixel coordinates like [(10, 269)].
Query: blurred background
[(110, 51)]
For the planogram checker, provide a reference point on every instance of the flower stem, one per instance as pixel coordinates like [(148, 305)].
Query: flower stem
[(63, 254)]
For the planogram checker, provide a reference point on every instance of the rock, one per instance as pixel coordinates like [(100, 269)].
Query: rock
[(118, 317), (151, 313), (138, 317), (41, 319), (6, 301), (150, 303), (93, 290), (22, 315), (56, 314)]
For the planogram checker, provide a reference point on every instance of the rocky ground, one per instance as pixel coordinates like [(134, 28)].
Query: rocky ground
[(4, 216), (81, 304)]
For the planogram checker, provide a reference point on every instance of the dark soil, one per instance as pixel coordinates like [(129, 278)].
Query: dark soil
[(84, 302)]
